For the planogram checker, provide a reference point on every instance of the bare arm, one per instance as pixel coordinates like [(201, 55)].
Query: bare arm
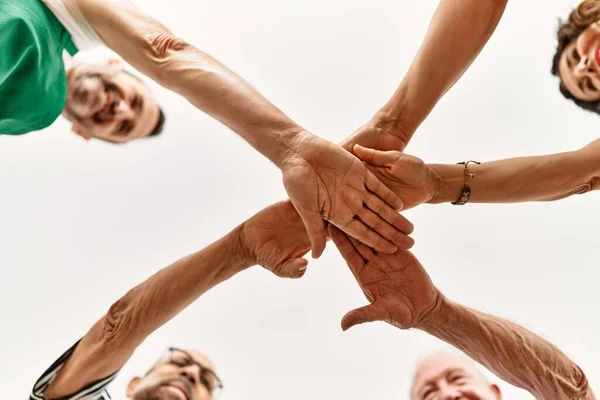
[(457, 33), (510, 351), (273, 238), (341, 187), (177, 65), (541, 178), (401, 293), (145, 308)]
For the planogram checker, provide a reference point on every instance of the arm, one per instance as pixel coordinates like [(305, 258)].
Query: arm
[(457, 33), (510, 351), (340, 188), (401, 293), (273, 238), (179, 66), (541, 178)]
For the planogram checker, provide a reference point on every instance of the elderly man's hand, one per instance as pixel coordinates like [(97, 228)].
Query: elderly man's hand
[(407, 176), (276, 239), (397, 286), (324, 182)]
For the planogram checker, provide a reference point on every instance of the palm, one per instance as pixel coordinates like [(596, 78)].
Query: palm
[(374, 138), (397, 286), (277, 240), (325, 182)]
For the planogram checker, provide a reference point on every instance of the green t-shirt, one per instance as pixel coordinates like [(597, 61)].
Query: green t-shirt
[(33, 82)]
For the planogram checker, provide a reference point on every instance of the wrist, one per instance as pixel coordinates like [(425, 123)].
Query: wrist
[(437, 315), (392, 123), (287, 143), (239, 249), (448, 181)]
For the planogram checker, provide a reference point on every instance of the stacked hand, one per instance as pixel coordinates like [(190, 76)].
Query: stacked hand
[(326, 183), (397, 286), (407, 176), (276, 239)]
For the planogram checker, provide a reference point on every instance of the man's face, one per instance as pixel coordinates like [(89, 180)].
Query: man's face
[(105, 102), (449, 377), (181, 375)]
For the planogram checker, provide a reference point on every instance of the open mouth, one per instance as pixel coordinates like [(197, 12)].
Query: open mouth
[(597, 58)]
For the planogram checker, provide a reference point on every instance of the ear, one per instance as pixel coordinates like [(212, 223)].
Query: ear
[(132, 385), (496, 391), (595, 26), (80, 130)]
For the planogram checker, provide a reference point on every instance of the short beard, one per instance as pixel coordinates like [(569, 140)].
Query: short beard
[(154, 394)]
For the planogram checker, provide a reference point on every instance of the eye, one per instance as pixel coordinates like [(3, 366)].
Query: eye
[(590, 85), (575, 55), (205, 382), (179, 363), (428, 393), (457, 379)]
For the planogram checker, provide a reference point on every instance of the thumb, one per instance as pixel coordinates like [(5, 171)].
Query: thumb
[(315, 228), (294, 268), (361, 315), (374, 157)]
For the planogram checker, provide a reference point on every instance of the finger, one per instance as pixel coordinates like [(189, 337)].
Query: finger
[(384, 229), (358, 230), (346, 249), (383, 192), (375, 157), (365, 252), (393, 217), (361, 315), (294, 269), (315, 228)]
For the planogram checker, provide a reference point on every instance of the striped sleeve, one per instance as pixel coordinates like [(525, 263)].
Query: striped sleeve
[(93, 391)]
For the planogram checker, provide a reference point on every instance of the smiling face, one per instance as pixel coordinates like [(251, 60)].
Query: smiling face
[(449, 377), (106, 102), (579, 65), (181, 375)]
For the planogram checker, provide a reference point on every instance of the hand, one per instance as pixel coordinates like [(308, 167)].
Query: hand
[(376, 136), (398, 288), (325, 182), (405, 175), (276, 239)]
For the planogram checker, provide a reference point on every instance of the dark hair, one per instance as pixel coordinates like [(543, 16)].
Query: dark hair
[(158, 128), (579, 19)]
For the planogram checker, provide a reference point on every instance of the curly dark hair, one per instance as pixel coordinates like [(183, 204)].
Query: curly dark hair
[(579, 19)]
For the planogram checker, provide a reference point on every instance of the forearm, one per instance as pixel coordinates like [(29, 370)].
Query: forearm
[(541, 178), (216, 90), (458, 31), (145, 308), (513, 353), (177, 65)]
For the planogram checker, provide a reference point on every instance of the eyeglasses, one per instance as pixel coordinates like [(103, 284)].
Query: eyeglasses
[(183, 359)]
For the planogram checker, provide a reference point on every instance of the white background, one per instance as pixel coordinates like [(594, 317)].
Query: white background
[(82, 222)]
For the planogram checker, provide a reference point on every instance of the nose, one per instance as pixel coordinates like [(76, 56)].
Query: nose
[(585, 67), (192, 373), (124, 111), (449, 393)]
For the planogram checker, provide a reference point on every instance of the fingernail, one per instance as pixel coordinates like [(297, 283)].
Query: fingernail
[(302, 269)]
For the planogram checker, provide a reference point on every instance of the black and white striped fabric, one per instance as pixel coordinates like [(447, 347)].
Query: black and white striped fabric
[(93, 391)]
